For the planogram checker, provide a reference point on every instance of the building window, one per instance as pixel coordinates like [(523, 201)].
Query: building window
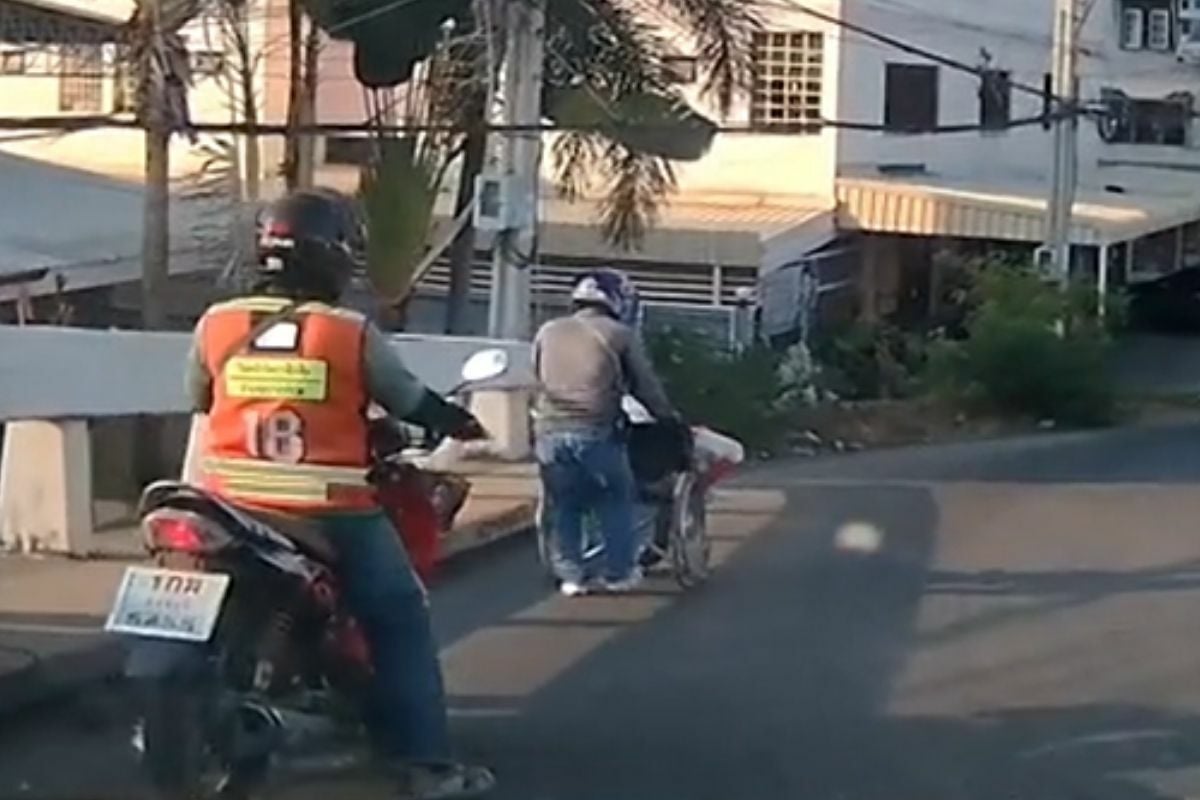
[(206, 63), (995, 99), (81, 81), (12, 62), (680, 69), (348, 150), (1147, 25), (1129, 120), (788, 72), (125, 85), (910, 98)]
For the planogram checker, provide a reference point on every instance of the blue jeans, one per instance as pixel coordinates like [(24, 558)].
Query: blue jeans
[(406, 710), (588, 471)]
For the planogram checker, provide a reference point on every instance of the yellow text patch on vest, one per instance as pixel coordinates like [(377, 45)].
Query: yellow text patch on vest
[(253, 378)]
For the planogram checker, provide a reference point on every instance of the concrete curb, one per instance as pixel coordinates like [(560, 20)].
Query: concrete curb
[(68, 672)]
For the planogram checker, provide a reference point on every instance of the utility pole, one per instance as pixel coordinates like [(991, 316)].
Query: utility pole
[(1065, 86), (511, 299)]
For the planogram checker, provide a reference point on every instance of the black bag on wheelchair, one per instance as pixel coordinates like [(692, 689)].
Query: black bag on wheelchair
[(658, 450)]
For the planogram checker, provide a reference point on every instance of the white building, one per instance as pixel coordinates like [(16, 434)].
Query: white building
[(907, 188), (769, 198)]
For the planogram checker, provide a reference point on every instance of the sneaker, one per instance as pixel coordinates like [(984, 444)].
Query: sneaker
[(626, 584), (572, 588), (443, 782)]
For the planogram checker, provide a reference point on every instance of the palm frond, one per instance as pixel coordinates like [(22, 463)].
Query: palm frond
[(637, 184), (576, 158), (724, 32), (398, 194), (606, 41)]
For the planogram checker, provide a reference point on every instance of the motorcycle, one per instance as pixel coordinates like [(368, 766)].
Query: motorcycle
[(243, 650)]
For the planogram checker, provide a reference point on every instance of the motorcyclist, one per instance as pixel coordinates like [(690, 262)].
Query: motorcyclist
[(286, 377), (585, 363)]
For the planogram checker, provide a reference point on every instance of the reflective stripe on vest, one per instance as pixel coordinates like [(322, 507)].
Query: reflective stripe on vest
[(291, 483)]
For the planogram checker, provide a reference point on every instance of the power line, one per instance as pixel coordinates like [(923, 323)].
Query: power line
[(86, 123)]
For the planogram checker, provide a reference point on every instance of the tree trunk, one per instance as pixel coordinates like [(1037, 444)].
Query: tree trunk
[(156, 231), (462, 250), (156, 235), (250, 118), (299, 162), (291, 145), (306, 150)]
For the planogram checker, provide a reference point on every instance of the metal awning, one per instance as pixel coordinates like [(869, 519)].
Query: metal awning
[(927, 205), (63, 22), (733, 231)]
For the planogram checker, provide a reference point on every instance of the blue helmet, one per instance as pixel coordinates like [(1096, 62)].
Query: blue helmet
[(610, 289)]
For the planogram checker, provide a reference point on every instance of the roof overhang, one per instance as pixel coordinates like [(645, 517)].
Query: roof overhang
[(732, 231), (926, 205), (50, 22), (107, 12)]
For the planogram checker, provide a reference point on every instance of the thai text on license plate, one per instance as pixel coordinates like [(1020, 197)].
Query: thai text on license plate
[(168, 604)]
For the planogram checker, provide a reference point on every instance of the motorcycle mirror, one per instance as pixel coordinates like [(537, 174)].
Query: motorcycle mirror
[(485, 365)]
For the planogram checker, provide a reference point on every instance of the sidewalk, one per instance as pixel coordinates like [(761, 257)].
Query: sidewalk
[(52, 609)]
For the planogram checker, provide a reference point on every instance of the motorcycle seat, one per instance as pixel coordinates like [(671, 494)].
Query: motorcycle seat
[(304, 532)]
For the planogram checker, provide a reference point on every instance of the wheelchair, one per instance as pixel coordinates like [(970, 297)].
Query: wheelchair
[(670, 506)]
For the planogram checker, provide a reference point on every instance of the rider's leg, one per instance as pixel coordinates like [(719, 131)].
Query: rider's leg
[(406, 713)]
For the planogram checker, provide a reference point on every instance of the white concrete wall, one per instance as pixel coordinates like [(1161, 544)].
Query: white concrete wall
[(52, 373), (1017, 35)]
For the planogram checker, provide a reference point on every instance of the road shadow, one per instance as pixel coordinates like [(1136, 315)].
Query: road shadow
[(736, 690)]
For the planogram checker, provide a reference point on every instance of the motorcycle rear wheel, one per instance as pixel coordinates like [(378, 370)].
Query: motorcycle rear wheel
[(177, 756)]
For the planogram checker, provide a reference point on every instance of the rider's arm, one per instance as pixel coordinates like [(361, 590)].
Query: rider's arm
[(198, 381), (644, 384), (392, 386)]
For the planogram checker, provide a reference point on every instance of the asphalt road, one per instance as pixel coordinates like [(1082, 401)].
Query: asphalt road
[(986, 621)]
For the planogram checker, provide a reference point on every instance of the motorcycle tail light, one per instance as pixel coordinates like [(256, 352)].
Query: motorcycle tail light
[(184, 531)]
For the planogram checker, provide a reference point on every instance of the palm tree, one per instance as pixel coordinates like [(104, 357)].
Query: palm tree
[(160, 62), (605, 76)]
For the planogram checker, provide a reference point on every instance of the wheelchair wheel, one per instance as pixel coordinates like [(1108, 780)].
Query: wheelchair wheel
[(690, 546)]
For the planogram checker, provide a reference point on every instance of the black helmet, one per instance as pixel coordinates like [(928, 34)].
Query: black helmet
[(309, 243)]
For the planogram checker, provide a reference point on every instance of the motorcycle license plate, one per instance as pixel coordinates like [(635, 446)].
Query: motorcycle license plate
[(168, 604)]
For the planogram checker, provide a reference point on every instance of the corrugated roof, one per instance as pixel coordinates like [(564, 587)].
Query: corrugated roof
[(112, 11), (930, 205), (729, 230), (86, 226)]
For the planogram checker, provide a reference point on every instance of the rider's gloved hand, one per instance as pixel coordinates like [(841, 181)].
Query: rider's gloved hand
[(447, 419)]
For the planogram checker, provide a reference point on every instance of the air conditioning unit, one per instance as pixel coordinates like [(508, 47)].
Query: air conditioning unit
[(1133, 29)]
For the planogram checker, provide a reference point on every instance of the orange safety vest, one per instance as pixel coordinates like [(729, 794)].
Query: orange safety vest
[(287, 430)]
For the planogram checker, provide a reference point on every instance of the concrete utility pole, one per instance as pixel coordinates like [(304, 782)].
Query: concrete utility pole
[(510, 313), (1065, 86)]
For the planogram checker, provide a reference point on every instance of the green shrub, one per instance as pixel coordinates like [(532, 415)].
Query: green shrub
[(1030, 350), (868, 362), (731, 391)]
